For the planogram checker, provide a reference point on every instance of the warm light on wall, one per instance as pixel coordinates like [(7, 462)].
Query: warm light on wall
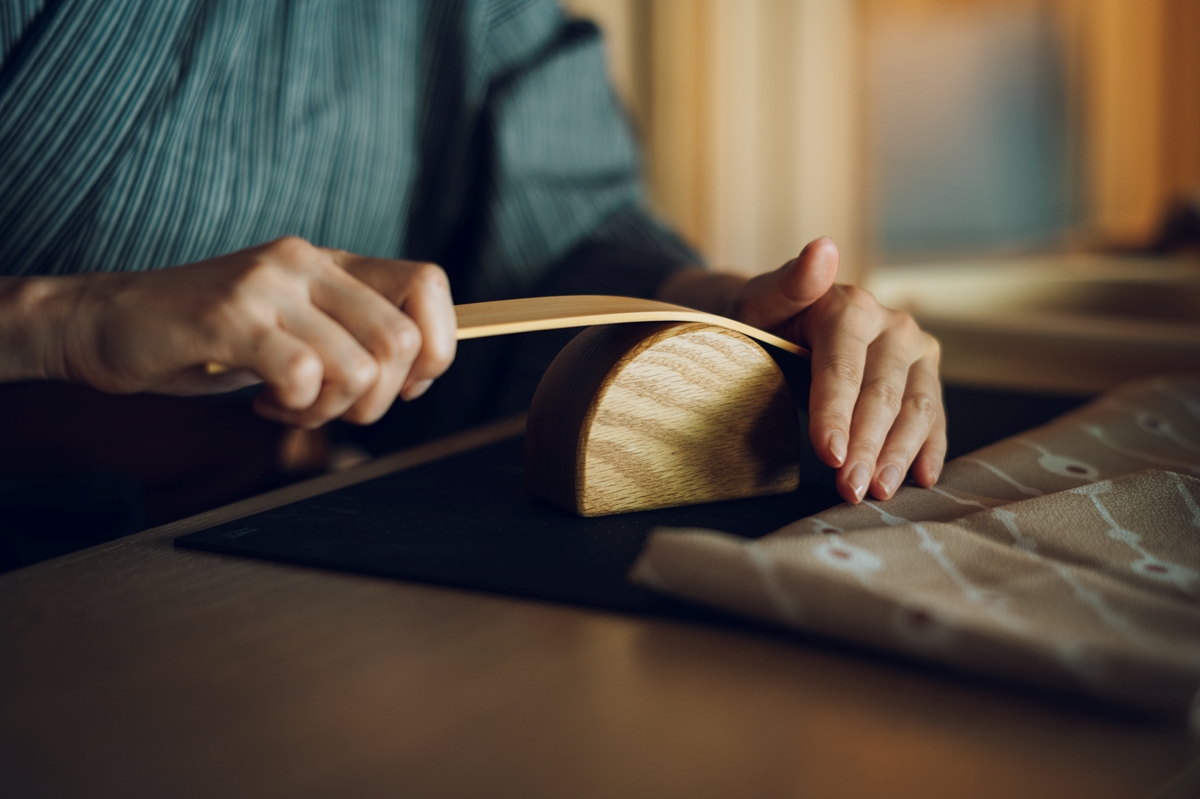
[(749, 111), (757, 117)]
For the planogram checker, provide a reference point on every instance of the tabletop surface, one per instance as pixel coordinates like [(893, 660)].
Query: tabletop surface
[(139, 669)]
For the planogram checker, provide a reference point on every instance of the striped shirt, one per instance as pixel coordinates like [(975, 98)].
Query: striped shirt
[(480, 134)]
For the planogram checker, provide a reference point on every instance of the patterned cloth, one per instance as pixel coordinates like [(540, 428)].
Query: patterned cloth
[(1068, 556)]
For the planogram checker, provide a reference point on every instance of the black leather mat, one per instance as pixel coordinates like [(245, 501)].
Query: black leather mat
[(466, 521)]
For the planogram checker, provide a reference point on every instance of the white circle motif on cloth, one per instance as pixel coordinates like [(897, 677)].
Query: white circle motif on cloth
[(840, 555), (1068, 467), (1158, 426), (1155, 569), (821, 526), (1060, 464)]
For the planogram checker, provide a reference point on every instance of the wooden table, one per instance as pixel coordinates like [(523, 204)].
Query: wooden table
[(138, 669)]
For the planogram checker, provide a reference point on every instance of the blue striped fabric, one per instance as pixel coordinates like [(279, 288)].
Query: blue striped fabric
[(15, 19), (482, 134)]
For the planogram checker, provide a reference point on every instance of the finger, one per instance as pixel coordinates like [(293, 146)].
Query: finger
[(392, 339), (422, 291), (769, 300), (349, 370), (889, 359), (920, 413), (927, 468), (840, 330), (431, 307), (292, 370)]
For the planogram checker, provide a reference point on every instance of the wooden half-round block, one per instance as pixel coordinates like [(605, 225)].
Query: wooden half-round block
[(654, 415)]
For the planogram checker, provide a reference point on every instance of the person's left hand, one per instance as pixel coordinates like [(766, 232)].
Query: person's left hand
[(876, 403)]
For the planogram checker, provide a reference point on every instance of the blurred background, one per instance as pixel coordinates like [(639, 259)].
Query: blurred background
[(1023, 175)]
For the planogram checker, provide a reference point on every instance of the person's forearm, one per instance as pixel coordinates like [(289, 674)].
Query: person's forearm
[(33, 318), (700, 289)]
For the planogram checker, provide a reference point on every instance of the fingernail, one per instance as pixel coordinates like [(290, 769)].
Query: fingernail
[(860, 476), (415, 390), (837, 446), (889, 479)]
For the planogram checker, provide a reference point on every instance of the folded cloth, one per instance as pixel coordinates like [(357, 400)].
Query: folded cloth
[(1067, 556)]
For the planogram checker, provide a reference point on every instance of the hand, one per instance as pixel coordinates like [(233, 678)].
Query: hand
[(330, 333), (875, 407)]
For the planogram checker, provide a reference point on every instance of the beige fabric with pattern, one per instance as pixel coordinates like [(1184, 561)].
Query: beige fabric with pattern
[(1068, 556)]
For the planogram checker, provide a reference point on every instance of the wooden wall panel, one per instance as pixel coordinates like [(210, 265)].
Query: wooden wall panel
[(749, 111), (753, 120), (1181, 125), (1123, 116)]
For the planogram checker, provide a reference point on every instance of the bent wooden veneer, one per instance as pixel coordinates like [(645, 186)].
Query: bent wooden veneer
[(527, 314)]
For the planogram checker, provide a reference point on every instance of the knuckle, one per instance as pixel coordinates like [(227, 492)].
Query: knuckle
[(867, 442), (405, 337), (393, 337), (355, 374), (299, 371), (430, 277), (933, 347), (834, 417), (844, 369), (850, 320), (441, 355), (290, 248), (884, 392), (361, 374), (900, 455), (258, 272), (923, 406), (858, 297), (906, 325), (261, 280)]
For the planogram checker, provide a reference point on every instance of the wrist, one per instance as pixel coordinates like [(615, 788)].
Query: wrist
[(35, 313)]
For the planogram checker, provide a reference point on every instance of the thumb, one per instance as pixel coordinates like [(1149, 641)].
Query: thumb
[(769, 300)]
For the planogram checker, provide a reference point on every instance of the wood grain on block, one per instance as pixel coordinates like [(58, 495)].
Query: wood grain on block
[(654, 415)]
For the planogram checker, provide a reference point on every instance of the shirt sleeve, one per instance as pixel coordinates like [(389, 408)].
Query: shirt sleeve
[(532, 187), (562, 200)]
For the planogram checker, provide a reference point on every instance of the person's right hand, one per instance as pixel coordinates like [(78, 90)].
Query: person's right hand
[(331, 334)]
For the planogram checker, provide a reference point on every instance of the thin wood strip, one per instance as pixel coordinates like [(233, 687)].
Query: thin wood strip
[(527, 314), (524, 315)]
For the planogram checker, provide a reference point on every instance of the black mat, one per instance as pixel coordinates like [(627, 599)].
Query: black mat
[(466, 521)]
